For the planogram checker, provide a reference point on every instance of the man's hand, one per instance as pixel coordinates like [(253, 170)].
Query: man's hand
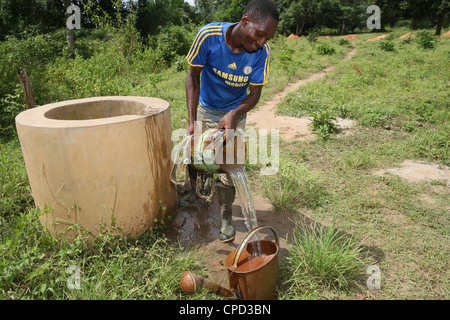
[(228, 121)]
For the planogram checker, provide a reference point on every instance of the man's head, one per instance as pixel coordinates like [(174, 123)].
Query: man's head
[(260, 22), (262, 10)]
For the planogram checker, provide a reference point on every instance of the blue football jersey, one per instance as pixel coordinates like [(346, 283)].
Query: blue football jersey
[(226, 75)]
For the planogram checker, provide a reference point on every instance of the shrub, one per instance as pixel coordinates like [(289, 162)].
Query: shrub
[(322, 124), (344, 42), (171, 42), (312, 37), (325, 48), (10, 106), (426, 40), (387, 45)]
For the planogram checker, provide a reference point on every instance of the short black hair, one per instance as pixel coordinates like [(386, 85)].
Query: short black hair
[(262, 9)]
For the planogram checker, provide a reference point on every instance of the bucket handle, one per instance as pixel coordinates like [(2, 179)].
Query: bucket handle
[(244, 242)]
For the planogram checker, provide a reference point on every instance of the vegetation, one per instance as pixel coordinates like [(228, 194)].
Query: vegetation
[(399, 99)]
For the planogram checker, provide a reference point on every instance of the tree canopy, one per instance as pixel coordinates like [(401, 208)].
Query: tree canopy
[(297, 16)]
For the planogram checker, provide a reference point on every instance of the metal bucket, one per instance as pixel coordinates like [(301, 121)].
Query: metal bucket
[(254, 277)]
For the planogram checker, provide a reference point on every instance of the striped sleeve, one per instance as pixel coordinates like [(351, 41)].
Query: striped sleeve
[(260, 74), (198, 54)]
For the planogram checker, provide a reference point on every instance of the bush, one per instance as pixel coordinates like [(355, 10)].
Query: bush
[(10, 106), (325, 49), (387, 45), (171, 42), (344, 42), (312, 37), (426, 40), (322, 124)]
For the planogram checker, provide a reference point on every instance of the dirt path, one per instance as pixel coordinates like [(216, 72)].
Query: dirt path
[(291, 128)]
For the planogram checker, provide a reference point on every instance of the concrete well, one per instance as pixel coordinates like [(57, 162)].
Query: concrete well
[(99, 162)]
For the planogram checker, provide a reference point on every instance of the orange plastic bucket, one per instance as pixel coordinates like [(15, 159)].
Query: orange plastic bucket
[(254, 277)]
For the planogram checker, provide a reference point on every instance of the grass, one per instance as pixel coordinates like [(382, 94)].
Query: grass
[(294, 184), (399, 99), (321, 259), (35, 265)]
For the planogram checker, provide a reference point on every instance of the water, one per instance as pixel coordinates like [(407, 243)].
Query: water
[(240, 180)]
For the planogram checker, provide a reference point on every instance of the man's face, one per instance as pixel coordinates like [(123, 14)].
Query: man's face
[(257, 33)]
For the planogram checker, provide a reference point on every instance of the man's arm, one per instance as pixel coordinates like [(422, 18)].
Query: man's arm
[(229, 120), (192, 95)]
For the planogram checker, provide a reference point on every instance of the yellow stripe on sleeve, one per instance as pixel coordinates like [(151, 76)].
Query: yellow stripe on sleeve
[(201, 36)]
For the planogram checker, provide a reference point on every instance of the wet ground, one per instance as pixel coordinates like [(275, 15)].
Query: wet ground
[(198, 225)]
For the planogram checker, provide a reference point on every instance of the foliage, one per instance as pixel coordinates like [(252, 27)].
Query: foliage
[(426, 40), (322, 124), (34, 264), (11, 105), (153, 14), (15, 193), (344, 42), (294, 186), (231, 10), (387, 45), (301, 16), (323, 257), (312, 37), (171, 42), (325, 49)]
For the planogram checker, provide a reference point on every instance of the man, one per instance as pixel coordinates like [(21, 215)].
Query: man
[(230, 59)]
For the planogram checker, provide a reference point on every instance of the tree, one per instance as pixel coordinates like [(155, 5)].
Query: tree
[(439, 9), (206, 9), (292, 17), (39, 15), (151, 14), (231, 10)]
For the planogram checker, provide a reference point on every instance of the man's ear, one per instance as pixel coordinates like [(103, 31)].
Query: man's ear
[(245, 19)]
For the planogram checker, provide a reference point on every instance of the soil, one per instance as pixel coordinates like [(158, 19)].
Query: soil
[(408, 35), (377, 38), (446, 35), (414, 171), (291, 128)]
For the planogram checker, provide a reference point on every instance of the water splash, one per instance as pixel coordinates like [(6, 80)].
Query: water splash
[(241, 183)]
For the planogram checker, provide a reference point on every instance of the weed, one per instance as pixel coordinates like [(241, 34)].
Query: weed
[(15, 192), (323, 257), (359, 158), (426, 40), (344, 42), (33, 264), (325, 49), (322, 124), (312, 37), (294, 186), (387, 45)]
